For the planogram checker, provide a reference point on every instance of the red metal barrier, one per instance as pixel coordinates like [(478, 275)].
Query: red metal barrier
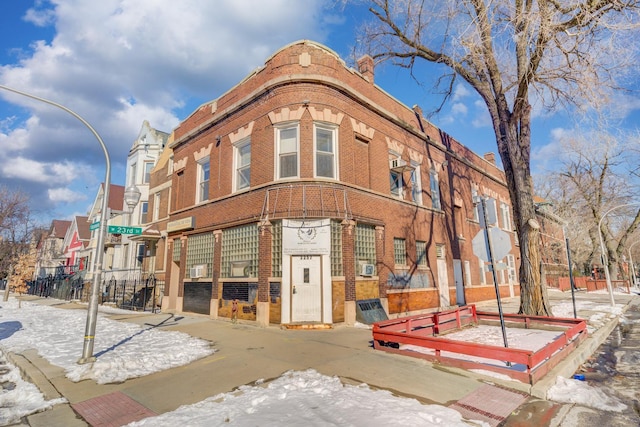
[(525, 365)]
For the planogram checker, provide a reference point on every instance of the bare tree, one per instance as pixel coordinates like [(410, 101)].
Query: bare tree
[(512, 53), (592, 180), (15, 226)]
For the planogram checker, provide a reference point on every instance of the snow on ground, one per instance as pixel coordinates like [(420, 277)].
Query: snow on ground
[(126, 350), (308, 398), (574, 391), (18, 397)]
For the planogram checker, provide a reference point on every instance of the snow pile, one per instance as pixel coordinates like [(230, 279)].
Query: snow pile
[(308, 398), (579, 392)]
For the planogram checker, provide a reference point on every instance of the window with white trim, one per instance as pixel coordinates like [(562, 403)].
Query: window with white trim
[(325, 149), (396, 182), (242, 153), (147, 172), (505, 211), (475, 201), (203, 180), (287, 152), (156, 206), (144, 212), (435, 189), (416, 185)]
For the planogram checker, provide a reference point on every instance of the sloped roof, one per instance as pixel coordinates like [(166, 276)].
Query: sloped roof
[(116, 197), (82, 222), (59, 228)]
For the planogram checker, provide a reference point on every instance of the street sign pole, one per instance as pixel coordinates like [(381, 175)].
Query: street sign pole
[(487, 236)]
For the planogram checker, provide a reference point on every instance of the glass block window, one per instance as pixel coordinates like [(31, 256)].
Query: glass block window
[(421, 254), (336, 249), (177, 248), (365, 243), (200, 251), (276, 249), (399, 251), (240, 245)]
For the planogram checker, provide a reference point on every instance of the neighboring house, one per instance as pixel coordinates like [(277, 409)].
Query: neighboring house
[(50, 256), (112, 242), (306, 188), (76, 241), (154, 233), (142, 158)]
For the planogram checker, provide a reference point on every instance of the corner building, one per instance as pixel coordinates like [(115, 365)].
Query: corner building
[(306, 188)]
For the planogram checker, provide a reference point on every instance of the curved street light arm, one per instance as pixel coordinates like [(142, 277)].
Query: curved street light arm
[(92, 311), (605, 259)]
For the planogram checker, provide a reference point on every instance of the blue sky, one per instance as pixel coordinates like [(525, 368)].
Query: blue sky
[(117, 63)]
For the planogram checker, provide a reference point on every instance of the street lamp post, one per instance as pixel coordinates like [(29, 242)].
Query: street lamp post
[(92, 311), (605, 259)]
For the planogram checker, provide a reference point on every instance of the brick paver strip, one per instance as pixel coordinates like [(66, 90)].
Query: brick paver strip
[(490, 404), (111, 410)]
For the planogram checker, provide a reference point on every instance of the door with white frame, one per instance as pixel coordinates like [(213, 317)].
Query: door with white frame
[(306, 288), (443, 275)]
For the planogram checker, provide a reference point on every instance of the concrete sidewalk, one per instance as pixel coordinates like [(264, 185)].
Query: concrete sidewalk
[(247, 353)]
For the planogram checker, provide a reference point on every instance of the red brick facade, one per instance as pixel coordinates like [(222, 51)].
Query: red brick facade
[(306, 86)]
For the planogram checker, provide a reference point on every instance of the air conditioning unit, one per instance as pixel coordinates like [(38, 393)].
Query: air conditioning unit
[(198, 271), (367, 269), (240, 268), (396, 164)]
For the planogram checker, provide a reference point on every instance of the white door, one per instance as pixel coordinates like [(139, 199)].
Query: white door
[(306, 288), (443, 283), (457, 276)]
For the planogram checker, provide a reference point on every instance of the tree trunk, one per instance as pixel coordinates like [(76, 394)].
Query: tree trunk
[(514, 146)]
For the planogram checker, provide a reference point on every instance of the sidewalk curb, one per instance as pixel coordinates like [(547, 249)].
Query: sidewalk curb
[(61, 414)]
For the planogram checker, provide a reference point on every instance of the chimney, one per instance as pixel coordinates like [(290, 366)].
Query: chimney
[(365, 66), (490, 157)]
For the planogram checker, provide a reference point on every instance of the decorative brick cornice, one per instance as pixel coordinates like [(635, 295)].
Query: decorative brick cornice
[(203, 152), (286, 115), (241, 133), (180, 164), (394, 145), (326, 115), (362, 129)]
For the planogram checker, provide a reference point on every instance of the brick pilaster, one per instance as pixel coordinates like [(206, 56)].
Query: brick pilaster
[(348, 259)]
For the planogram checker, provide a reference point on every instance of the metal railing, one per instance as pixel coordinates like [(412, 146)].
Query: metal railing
[(144, 294)]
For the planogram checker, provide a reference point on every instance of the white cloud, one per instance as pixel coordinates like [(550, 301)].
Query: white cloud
[(65, 195), (460, 91), (118, 63), (459, 109)]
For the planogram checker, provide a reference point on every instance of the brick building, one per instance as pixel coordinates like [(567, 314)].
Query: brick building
[(306, 188)]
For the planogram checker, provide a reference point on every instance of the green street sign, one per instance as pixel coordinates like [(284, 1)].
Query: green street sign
[(118, 229), (94, 226)]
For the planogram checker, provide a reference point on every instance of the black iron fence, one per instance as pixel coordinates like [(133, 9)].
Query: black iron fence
[(143, 294), (134, 294)]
